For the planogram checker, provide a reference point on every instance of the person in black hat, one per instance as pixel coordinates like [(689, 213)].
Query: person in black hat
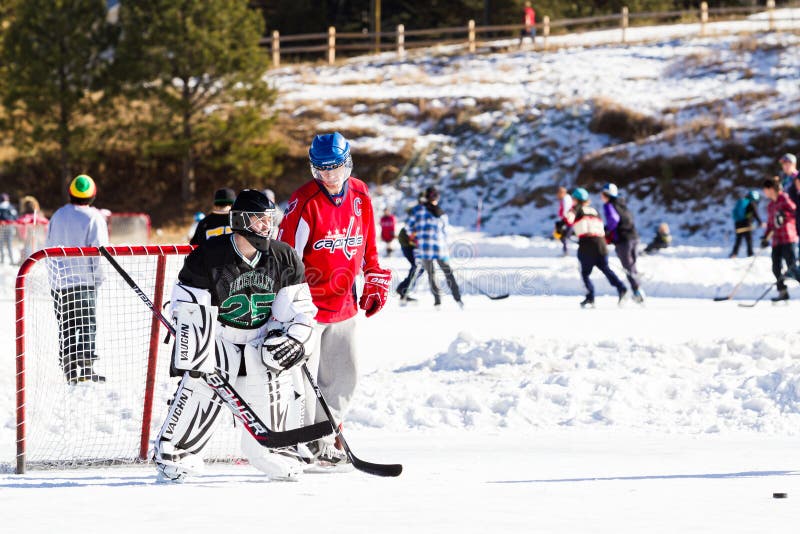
[(218, 221)]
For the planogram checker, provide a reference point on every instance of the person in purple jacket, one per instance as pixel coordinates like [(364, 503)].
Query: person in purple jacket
[(621, 231)]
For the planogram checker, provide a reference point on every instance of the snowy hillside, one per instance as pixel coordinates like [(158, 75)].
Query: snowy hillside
[(681, 124)]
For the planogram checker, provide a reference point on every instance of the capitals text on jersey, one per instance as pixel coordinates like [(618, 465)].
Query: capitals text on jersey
[(337, 239)]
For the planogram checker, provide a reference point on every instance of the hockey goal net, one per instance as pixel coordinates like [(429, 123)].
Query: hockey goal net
[(96, 423)]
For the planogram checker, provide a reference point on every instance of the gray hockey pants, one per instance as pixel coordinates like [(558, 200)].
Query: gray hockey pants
[(334, 366)]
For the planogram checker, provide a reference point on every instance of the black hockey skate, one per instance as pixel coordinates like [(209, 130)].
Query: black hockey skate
[(783, 297), (588, 302), (75, 374), (623, 294)]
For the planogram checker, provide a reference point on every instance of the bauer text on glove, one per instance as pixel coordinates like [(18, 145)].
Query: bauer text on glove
[(376, 289)]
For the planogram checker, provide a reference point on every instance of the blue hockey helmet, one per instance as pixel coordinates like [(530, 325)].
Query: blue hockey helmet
[(329, 151), (754, 195), (580, 194)]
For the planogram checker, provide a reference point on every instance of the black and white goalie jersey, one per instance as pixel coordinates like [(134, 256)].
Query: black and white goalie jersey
[(242, 290)]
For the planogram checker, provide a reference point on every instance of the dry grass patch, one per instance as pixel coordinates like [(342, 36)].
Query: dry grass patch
[(623, 123)]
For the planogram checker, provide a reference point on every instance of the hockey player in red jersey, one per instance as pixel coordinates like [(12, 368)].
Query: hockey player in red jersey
[(330, 223)]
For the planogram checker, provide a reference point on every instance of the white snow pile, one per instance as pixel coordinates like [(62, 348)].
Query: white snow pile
[(696, 387)]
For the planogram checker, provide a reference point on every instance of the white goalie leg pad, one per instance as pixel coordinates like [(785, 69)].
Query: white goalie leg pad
[(195, 329), (194, 337), (191, 418), (278, 401)]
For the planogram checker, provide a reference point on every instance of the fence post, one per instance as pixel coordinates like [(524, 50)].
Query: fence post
[(546, 30), (703, 18), (624, 23), (471, 35), (331, 45), (401, 40), (771, 14), (276, 48)]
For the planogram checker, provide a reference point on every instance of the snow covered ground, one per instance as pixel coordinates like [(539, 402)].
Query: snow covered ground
[(519, 415)]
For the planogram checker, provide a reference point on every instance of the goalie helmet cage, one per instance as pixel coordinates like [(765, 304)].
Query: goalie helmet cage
[(61, 425)]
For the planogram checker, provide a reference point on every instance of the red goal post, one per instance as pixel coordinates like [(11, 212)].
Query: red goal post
[(61, 425)]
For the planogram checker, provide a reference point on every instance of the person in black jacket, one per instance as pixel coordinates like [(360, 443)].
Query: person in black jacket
[(621, 231), (592, 249), (217, 222)]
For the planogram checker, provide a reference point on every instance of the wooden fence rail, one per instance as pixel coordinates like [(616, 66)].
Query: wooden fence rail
[(401, 39)]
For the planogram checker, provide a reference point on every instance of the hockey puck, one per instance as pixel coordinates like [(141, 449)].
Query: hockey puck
[(780, 495)]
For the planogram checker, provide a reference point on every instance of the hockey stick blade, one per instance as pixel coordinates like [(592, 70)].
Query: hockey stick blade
[(484, 293), (760, 297), (741, 281), (380, 470), (233, 400)]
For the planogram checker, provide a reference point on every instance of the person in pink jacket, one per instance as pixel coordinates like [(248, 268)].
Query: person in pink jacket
[(782, 232)]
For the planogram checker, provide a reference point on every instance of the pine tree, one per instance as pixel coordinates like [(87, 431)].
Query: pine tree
[(201, 63), (56, 55)]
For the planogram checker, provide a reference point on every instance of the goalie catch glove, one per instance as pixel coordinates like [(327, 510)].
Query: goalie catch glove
[(290, 330), (282, 351)]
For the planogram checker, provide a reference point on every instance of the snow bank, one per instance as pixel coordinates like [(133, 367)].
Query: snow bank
[(523, 384)]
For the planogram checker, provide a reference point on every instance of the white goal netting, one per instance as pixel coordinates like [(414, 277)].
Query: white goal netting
[(77, 316)]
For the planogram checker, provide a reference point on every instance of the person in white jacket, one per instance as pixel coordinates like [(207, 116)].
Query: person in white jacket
[(73, 281)]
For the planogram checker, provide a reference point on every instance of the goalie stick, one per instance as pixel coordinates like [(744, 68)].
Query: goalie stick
[(237, 405), (381, 470)]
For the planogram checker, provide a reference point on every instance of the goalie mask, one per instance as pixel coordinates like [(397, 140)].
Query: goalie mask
[(253, 216)]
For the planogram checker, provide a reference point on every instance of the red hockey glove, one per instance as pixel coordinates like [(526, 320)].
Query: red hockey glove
[(376, 289)]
